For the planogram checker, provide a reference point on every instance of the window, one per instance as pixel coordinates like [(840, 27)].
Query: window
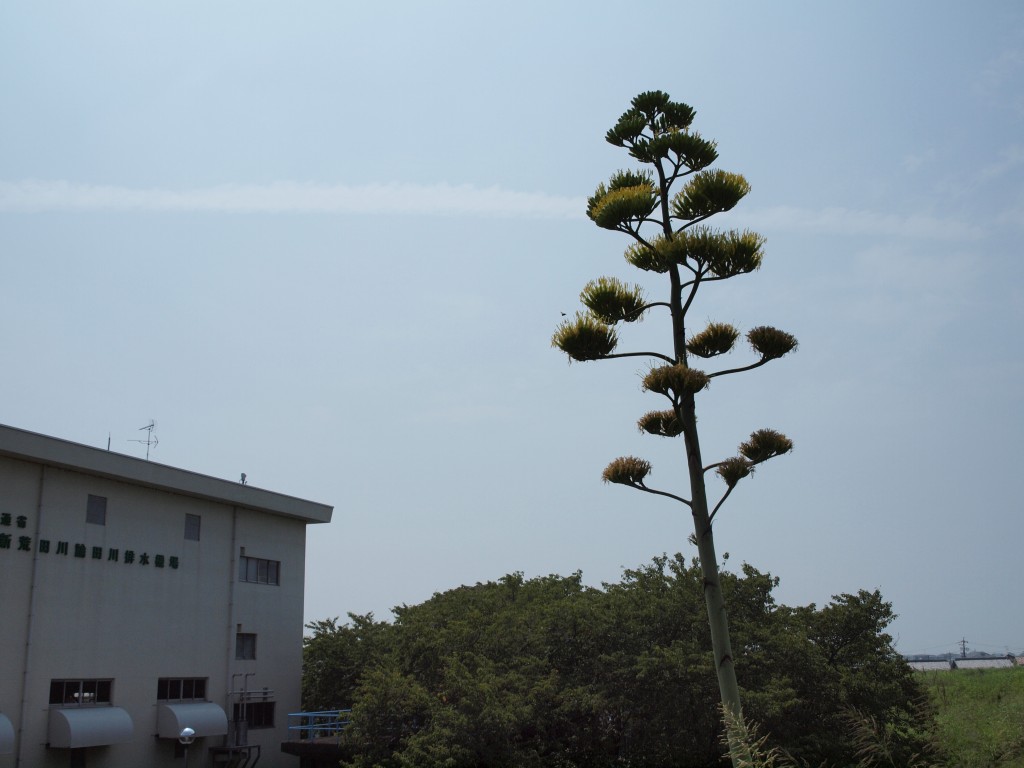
[(80, 693), (192, 527), (96, 510), (245, 645), (259, 571), (181, 689), (256, 714)]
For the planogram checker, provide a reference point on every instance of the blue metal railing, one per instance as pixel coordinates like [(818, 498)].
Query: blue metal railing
[(319, 725)]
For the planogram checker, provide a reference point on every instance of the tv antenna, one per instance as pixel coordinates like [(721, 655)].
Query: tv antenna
[(151, 439)]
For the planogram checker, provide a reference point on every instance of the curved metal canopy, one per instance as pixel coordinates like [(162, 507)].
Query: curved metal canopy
[(203, 717), (6, 736), (89, 727)]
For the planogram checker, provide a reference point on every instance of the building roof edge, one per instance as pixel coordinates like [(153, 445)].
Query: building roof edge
[(55, 452)]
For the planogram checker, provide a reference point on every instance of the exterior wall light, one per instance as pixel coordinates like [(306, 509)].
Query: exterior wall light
[(186, 737)]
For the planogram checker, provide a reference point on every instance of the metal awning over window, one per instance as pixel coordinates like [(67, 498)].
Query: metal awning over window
[(6, 736), (203, 717), (89, 727)]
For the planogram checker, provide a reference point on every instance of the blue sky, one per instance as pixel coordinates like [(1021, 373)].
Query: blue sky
[(327, 244)]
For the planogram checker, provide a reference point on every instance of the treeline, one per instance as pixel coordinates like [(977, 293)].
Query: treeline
[(550, 672)]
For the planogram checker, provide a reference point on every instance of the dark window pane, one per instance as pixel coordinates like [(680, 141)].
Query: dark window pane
[(245, 645), (161, 689), (259, 571), (77, 693), (266, 713), (258, 714), (192, 523), (96, 510), (188, 688), (201, 688)]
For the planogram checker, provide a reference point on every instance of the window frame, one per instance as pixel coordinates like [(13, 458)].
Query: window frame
[(259, 570), (101, 690), (167, 686), (259, 715), (245, 646)]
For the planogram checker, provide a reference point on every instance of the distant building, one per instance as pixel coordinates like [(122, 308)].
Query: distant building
[(138, 599), (985, 662)]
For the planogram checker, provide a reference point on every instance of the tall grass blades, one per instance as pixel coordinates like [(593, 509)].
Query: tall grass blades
[(979, 716)]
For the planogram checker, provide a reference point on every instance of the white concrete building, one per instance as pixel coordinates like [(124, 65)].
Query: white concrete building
[(137, 599)]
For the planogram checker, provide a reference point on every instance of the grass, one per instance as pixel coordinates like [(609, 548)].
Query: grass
[(980, 716), (979, 723)]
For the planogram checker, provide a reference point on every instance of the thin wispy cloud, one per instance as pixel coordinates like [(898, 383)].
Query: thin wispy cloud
[(1010, 158), (844, 221), (290, 197), (428, 200), (998, 81)]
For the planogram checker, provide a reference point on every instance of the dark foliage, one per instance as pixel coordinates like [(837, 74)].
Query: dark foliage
[(549, 672)]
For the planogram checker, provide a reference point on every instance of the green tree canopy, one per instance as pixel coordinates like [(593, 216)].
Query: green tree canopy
[(548, 671)]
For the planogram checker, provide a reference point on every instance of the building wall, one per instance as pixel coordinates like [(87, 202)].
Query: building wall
[(134, 601)]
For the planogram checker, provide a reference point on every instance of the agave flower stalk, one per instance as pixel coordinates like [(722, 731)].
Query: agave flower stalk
[(669, 237)]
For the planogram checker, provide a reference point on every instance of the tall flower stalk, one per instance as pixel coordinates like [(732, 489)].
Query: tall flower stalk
[(669, 237)]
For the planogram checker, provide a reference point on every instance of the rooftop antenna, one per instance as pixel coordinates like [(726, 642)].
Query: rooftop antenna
[(151, 439)]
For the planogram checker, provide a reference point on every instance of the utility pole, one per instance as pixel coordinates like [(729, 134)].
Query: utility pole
[(963, 648)]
